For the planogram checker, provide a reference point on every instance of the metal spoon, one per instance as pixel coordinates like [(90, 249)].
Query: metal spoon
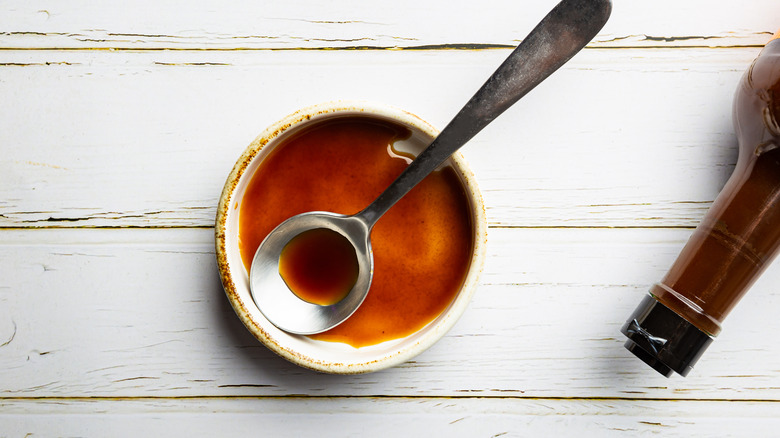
[(558, 37)]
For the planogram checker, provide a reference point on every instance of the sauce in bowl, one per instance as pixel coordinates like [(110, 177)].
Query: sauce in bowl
[(422, 246)]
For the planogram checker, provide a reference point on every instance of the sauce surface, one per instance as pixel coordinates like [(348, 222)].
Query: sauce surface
[(319, 266), (422, 246)]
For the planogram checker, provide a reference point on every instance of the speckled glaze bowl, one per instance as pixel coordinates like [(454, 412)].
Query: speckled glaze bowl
[(333, 357)]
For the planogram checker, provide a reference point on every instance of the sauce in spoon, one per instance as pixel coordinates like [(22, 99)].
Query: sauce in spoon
[(319, 266)]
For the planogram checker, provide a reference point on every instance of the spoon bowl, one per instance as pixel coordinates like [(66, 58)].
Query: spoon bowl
[(272, 295)]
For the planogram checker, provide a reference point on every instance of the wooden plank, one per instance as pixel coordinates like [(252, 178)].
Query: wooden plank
[(140, 312), (617, 138), (406, 23), (385, 417)]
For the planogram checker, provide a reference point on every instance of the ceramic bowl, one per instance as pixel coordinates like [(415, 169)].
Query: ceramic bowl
[(333, 357)]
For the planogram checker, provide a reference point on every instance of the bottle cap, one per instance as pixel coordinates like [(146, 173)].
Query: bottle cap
[(663, 339)]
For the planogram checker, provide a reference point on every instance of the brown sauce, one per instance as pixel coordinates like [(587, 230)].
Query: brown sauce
[(320, 266), (422, 246), (741, 233)]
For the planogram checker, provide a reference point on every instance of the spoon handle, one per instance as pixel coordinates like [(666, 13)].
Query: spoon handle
[(555, 40)]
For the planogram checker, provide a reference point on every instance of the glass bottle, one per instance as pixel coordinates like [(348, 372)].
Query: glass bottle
[(737, 239)]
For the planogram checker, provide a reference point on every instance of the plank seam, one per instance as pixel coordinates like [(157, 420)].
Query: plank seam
[(388, 397), (431, 48)]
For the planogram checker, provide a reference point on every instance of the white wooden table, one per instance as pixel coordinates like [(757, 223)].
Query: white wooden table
[(120, 122)]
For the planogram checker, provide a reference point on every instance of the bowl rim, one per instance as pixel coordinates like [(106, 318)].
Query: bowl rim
[(417, 342)]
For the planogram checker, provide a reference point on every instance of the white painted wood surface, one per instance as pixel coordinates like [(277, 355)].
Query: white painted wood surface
[(119, 123)]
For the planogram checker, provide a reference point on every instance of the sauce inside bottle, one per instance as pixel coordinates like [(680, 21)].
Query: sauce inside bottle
[(320, 266), (422, 246), (741, 232)]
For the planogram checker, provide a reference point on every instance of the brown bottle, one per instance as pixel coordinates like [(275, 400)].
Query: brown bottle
[(671, 327)]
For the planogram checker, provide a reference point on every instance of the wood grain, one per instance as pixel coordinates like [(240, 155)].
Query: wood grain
[(354, 24), (387, 417), (138, 313), (100, 139)]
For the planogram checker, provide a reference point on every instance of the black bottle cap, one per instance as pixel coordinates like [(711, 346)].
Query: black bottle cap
[(663, 339)]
